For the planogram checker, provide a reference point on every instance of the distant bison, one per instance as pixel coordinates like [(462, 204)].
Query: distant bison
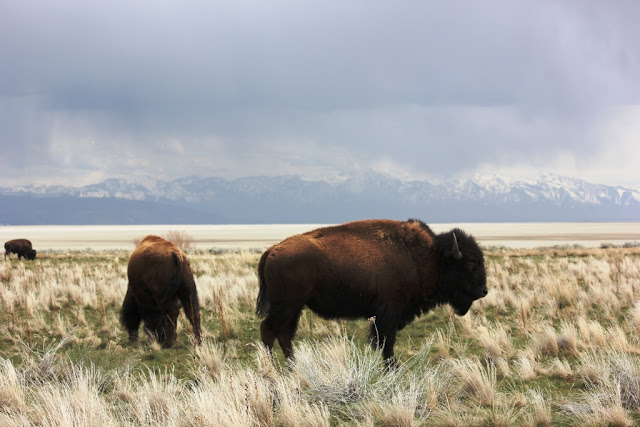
[(22, 247), (160, 283), (392, 270)]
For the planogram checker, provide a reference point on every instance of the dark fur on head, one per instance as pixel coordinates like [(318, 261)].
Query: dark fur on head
[(462, 280)]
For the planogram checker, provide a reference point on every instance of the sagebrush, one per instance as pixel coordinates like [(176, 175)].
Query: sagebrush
[(555, 342)]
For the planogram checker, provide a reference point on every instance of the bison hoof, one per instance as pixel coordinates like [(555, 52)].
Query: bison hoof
[(391, 364)]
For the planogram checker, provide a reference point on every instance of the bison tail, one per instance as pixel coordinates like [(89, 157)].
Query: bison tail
[(175, 281), (262, 304)]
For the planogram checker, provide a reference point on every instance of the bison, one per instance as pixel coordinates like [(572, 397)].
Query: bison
[(22, 247), (391, 270), (160, 283)]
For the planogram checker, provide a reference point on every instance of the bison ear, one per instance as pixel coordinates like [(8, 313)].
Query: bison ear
[(456, 250)]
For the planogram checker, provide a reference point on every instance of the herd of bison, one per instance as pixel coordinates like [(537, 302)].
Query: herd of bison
[(389, 271)]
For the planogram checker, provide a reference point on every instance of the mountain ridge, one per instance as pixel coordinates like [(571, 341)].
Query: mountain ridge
[(293, 198)]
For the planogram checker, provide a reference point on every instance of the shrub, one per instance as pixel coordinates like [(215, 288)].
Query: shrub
[(181, 239)]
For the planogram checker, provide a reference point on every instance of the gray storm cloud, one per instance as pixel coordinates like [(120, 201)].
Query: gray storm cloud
[(433, 88)]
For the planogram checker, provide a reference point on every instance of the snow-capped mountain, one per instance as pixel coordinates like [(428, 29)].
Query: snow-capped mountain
[(291, 198)]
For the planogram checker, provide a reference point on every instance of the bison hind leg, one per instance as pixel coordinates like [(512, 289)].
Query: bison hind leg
[(130, 317), (288, 331), (267, 334), (281, 325), (170, 324), (154, 325), (188, 296)]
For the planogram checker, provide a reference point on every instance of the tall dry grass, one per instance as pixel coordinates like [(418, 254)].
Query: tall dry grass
[(556, 341), (182, 239)]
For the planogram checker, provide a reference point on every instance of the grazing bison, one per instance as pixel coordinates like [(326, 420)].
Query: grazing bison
[(22, 247), (160, 282), (392, 270)]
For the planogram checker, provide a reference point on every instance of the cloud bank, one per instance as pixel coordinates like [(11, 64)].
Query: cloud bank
[(413, 89)]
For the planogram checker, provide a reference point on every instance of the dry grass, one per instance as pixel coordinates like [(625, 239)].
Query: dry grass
[(182, 239), (556, 342)]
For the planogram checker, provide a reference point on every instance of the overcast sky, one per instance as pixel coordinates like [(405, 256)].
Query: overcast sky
[(414, 89)]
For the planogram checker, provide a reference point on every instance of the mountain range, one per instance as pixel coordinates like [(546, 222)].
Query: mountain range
[(295, 199)]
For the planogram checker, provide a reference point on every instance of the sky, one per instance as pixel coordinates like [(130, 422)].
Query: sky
[(413, 89)]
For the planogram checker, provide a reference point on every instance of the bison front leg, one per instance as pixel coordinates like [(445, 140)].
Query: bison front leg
[(382, 332), (387, 350), (130, 317)]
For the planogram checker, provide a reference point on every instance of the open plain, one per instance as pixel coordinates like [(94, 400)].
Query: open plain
[(260, 236), (556, 342)]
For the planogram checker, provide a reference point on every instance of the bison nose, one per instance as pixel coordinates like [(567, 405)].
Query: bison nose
[(485, 292)]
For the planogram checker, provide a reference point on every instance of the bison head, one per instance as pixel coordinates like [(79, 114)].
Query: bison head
[(31, 255), (462, 276)]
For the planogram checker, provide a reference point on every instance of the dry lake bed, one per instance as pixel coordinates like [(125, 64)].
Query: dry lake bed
[(513, 235)]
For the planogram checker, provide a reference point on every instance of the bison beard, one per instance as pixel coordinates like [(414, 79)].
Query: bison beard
[(392, 270), (160, 283)]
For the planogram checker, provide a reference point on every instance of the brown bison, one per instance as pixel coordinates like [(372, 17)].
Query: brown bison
[(22, 247), (160, 282), (392, 270)]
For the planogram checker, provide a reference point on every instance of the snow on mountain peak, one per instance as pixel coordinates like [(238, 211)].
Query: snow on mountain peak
[(485, 189)]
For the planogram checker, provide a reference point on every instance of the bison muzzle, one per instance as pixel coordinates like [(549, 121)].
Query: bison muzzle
[(391, 270), (160, 283)]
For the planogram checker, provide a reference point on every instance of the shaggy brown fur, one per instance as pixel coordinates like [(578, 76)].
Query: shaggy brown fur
[(388, 269), (160, 282), (22, 247)]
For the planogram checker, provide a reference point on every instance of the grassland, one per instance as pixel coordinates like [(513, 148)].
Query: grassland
[(556, 342)]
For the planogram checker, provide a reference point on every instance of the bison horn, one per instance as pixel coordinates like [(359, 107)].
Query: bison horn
[(456, 250)]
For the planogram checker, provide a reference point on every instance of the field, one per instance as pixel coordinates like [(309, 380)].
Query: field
[(556, 342)]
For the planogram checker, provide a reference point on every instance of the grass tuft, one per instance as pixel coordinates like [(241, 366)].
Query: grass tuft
[(555, 343)]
